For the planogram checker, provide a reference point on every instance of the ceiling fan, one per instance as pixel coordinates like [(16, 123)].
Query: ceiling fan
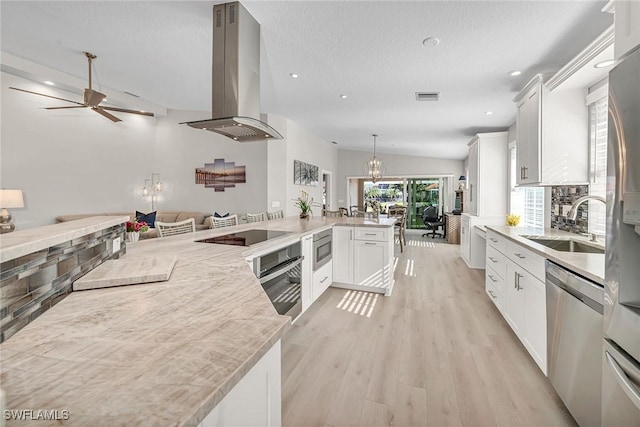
[(92, 99)]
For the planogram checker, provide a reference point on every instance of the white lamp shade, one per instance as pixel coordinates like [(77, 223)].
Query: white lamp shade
[(11, 199)]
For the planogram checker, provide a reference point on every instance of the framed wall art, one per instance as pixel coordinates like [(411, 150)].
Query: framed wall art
[(220, 175), (305, 173)]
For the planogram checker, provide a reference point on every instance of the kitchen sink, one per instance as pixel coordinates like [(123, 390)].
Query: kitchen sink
[(567, 245)]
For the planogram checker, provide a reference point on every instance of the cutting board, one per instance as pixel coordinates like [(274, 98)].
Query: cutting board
[(127, 271)]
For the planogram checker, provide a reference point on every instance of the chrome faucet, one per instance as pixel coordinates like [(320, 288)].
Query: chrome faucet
[(573, 212)]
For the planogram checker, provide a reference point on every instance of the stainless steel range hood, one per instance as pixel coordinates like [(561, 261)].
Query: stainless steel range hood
[(236, 77)]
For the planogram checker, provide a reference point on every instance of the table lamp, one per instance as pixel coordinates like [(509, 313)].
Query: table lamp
[(461, 182), (9, 199)]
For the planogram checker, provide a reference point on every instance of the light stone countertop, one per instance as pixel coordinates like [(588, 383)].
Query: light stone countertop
[(588, 265), (161, 353), (23, 242)]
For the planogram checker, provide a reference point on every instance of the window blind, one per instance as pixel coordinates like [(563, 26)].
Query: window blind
[(598, 163)]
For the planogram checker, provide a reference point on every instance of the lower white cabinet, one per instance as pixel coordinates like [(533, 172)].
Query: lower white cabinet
[(322, 279), (363, 258), (256, 399), (514, 281)]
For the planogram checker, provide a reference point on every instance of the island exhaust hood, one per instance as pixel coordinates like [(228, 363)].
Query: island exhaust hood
[(236, 77)]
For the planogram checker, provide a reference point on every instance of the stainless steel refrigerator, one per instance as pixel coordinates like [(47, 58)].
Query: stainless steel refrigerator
[(621, 357)]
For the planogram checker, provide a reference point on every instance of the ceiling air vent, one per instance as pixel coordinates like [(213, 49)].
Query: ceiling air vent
[(427, 96)]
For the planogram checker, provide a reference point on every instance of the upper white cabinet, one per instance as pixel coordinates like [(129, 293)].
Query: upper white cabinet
[(627, 25), (487, 178), (552, 139)]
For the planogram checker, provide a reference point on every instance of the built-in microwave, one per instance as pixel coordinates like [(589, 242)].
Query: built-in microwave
[(322, 248)]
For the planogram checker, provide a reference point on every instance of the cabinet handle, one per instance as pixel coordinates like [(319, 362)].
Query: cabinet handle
[(350, 234), (493, 240), (518, 287), (515, 280), (492, 260), (471, 192), (520, 256), (521, 172), (492, 295), (369, 243), (370, 234), (323, 280), (525, 172), (492, 279)]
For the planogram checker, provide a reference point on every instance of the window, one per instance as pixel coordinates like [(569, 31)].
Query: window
[(528, 202), (598, 163)]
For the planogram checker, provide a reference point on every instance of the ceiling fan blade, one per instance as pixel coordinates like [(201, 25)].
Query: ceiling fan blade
[(48, 96), (63, 108), (111, 117), (124, 110)]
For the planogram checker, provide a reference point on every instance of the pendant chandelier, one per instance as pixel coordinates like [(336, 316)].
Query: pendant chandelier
[(374, 168)]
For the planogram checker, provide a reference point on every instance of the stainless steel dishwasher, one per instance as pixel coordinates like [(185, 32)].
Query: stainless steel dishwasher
[(574, 342)]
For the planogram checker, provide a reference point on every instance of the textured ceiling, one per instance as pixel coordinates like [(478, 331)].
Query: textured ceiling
[(370, 51)]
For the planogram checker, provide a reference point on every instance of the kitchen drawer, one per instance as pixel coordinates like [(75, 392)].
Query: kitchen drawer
[(497, 240), (526, 259), (497, 261), (493, 288), (371, 233), (497, 281), (322, 279)]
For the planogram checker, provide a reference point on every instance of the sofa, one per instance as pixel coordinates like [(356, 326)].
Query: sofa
[(201, 219)]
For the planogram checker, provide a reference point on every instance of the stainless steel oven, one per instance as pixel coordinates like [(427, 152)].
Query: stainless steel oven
[(322, 248), (279, 273)]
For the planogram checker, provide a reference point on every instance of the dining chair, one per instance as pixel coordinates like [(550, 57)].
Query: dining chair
[(166, 229), (400, 213), (367, 215), (227, 221), (332, 214), (275, 215), (261, 216)]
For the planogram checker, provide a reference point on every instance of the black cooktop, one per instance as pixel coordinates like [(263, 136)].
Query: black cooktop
[(245, 238)]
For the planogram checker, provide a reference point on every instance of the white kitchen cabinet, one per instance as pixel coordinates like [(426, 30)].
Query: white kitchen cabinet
[(472, 241), (627, 27), (535, 315), (514, 281), (322, 278), (342, 254), (306, 280), (487, 178), (363, 258), (552, 140), (472, 178), (257, 398), (465, 238), (371, 261)]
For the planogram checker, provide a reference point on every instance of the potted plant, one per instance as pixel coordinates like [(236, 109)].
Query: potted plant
[(134, 228), (304, 202)]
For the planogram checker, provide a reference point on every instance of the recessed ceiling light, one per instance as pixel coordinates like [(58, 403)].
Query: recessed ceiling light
[(48, 82), (488, 113), (294, 75), (604, 64), (343, 96), (431, 41), (515, 73)]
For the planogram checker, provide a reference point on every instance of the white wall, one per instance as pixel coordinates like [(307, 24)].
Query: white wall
[(76, 161), (299, 144), (350, 165)]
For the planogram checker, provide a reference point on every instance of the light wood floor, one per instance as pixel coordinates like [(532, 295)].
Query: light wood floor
[(435, 353)]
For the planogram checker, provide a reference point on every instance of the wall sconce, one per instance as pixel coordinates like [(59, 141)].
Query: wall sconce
[(9, 199), (151, 188)]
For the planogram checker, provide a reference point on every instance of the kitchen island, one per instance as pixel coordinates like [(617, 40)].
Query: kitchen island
[(164, 353)]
